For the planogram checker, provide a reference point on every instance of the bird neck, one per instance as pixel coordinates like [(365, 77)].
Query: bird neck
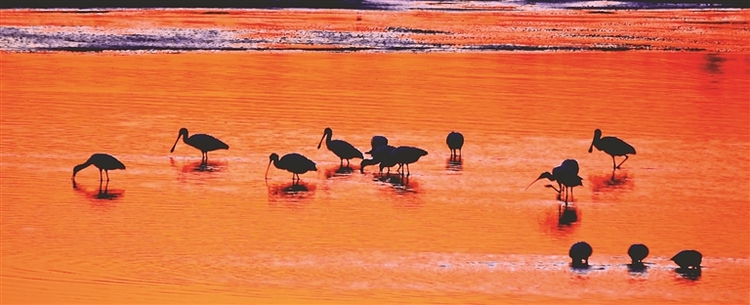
[(81, 166)]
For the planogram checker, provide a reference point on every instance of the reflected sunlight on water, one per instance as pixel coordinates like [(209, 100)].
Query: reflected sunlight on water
[(165, 230)]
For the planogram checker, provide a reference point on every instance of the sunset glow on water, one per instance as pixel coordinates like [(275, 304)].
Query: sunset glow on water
[(672, 83)]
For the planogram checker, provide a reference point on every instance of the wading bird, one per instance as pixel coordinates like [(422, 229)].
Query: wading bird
[(612, 146), (202, 142), (566, 176), (405, 155), (455, 141), (580, 253), (103, 162), (376, 142), (688, 259), (380, 154), (293, 163), (637, 253), (342, 149)]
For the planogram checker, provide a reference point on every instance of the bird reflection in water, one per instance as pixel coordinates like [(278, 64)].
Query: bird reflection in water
[(103, 193), (212, 166), (292, 192), (339, 171), (609, 182), (562, 222), (455, 165)]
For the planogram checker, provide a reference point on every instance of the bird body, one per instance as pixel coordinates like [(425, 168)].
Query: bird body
[(293, 163), (341, 149), (405, 155), (455, 141), (637, 253), (580, 253), (379, 155), (688, 259), (613, 146), (376, 142), (103, 162), (202, 142)]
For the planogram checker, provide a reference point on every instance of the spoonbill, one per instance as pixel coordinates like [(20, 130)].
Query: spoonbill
[(293, 163), (405, 155), (379, 154), (688, 259), (376, 142), (455, 141), (341, 148), (580, 253), (103, 162), (202, 142), (613, 146), (637, 253)]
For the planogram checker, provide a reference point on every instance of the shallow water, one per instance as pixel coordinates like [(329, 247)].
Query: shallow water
[(165, 231)]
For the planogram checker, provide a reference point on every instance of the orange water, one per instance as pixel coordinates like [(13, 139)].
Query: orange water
[(168, 233)]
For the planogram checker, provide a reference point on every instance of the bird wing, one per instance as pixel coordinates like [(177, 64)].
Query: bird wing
[(206, 142)]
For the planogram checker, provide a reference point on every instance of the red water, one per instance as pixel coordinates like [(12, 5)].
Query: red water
[(167, 233)]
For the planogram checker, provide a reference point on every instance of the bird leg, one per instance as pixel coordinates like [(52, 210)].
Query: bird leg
[(614, 164), (407, 170), (100, 176), (623, 161), (107, 172)]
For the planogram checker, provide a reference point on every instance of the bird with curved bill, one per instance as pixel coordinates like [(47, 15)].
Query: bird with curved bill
[(202, 142), (340, 148), (566, 176), (613, 146), (293, 163), (103, 162)]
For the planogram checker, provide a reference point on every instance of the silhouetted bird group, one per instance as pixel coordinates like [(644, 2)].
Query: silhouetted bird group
[(387, 156), (688, 260)]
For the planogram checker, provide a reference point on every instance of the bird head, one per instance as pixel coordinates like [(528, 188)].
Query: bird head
[(182, 133), (273, 157), (597, 136), (542, 176), (327, 132)]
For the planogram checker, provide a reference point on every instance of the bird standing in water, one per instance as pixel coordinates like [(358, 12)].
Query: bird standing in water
[(405, 155), (612, 146), (566, 176), (580, 253), (103, 162), (340, 148), (202, 142), (455, 141), (637, 253), (293, 163)]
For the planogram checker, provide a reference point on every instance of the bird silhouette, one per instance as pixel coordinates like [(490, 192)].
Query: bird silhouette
[(103, 162), (455, 141), (293, 163), (202, 142), (580, 253), (376, 142), (566, 176), (612, 146), (637, 253), (688, 259), (342, 149), (405, 155), (379, 154)]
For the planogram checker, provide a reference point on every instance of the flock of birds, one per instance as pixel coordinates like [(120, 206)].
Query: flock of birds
[(387, 156)]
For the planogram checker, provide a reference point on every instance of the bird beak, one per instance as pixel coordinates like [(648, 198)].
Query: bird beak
[(321, 140), (267, 168), (533, 183), (175, 143), (591, 148)]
